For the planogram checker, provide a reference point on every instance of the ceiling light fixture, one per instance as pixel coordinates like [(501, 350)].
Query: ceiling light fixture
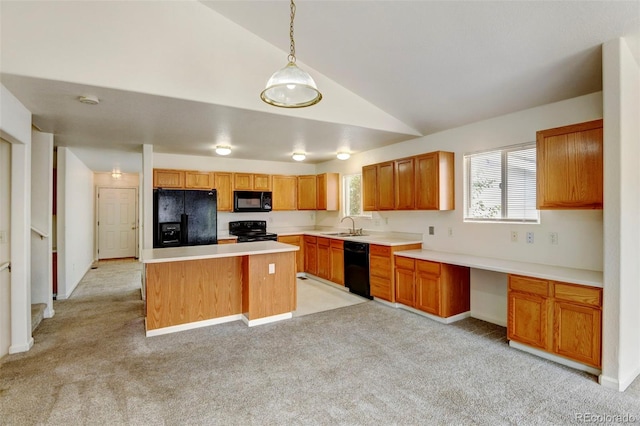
[(223, 150), (291, 87), (89, 99), (116, 174), (343, 155), (299, 156)]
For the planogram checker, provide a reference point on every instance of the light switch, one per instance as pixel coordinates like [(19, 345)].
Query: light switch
[(272, 268)]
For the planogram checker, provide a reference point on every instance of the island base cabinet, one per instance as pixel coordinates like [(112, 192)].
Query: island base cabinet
[(189, 291), (268, 285)]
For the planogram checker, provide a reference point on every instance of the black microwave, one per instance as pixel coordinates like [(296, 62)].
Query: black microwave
[(251, 201)]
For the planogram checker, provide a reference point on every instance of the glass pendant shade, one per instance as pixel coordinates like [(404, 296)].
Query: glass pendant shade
[(291, 87)]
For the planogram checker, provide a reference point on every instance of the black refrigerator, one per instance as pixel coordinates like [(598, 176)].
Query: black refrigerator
[(184, 218)]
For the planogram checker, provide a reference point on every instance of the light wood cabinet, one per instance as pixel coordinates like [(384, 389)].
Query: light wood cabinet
[(324, 258), (434, 181), (227, 241), (307, 192), (284, 192), (337, 261), (423, 182), (311, 254), (381, 270), (251, 182), (436, 288), (561, 318), (198, 180), (223, 185), (163, 178), (569, 167), (405, 184), (296, 240), (328, 191)]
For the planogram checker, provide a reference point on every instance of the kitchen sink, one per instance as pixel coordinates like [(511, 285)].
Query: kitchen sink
[(344, 234)]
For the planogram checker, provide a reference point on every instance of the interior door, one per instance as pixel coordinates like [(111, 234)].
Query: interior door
[(117, 222)]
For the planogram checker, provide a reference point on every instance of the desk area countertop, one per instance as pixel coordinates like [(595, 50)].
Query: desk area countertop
[(176, 254), (536, 270)]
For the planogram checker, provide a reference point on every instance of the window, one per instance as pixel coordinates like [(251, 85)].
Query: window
[(500, 185), (352, 195)]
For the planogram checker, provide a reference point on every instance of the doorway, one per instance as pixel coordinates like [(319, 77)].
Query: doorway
[(117, 223)]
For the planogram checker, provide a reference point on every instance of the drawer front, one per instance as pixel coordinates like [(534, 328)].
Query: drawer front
[(529, 285), (381, 288), (310, 239), (405, 263), (339, 244), (380, 267), (428, 267), (376, 250), (323, 241), (578, 293)]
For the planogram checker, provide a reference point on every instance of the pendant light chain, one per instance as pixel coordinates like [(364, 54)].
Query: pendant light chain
[(292, 54)]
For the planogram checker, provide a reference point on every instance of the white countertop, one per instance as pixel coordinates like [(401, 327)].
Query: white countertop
[(556, 273), (381, 239), (175, 254)]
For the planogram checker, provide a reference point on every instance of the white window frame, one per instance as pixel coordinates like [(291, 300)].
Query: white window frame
[(504, 151), (345, 196)]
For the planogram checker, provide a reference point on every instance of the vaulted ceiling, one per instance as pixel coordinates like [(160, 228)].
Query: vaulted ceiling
[(186, 76)]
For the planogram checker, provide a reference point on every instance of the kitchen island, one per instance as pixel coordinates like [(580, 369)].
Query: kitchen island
[(198, 286)]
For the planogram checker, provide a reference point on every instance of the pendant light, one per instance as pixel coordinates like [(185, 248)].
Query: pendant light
[(291, 87)]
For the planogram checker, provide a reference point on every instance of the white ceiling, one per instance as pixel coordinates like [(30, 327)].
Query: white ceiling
[(389, 70)]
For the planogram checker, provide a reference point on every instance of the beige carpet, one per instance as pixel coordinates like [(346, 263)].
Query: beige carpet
[(358, 365)]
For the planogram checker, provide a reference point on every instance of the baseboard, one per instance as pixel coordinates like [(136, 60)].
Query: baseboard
[(619, 385), (555, 358), (14, 349), (386, 302), (491, 320), (441, 320), (266, 320), (191, 325), (49, 312)]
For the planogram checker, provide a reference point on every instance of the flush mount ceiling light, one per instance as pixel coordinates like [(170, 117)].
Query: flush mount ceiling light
[(299, 156), (291, 87), (116, 174), (223, 150), (343, 155), (89, 99)]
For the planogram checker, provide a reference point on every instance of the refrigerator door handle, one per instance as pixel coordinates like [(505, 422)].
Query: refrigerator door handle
[(184, 219)]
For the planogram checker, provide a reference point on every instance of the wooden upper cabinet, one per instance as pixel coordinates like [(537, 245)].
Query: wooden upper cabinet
[(223, 185), (307, 192), (569, 167), (284, 192), (199, 180), (405, 184), (163, 178), (369, 185), (328, 191), (386, 186), (251, 182), (434, 181)]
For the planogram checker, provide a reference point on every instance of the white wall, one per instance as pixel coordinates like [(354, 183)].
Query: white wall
[(76, 213), (621, 339), (275, 220), (41, 219), (5, 252)]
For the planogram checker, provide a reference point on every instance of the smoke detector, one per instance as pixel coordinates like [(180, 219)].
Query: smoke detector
[(89, 99)]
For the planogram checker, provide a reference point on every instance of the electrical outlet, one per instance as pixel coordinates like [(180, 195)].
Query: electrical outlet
[(272, 268), (432, 230), (529, 237), (553, 238), (514, 236), (386, 220), (450, 231)]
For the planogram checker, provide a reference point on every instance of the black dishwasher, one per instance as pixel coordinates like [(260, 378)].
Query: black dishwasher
[(356, 268)]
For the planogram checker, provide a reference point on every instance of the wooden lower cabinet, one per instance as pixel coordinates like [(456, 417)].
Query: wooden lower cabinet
[(227, 241), (438, 289), (336, 256), (382, 278), (295, 240), (324, 258), (311, 254), (561, 318)]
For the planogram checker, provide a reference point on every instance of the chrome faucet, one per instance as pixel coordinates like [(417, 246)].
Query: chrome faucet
[(353, 224)]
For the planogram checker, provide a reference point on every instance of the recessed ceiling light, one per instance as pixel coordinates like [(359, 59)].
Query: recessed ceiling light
[(299, 156), (89, 99), (343, 155), (223, 150)]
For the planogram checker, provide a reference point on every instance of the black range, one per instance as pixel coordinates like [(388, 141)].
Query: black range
[(251, 230)]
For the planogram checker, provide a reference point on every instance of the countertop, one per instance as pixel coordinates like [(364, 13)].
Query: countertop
[(536, 270), (381, 239), (175, 254)]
